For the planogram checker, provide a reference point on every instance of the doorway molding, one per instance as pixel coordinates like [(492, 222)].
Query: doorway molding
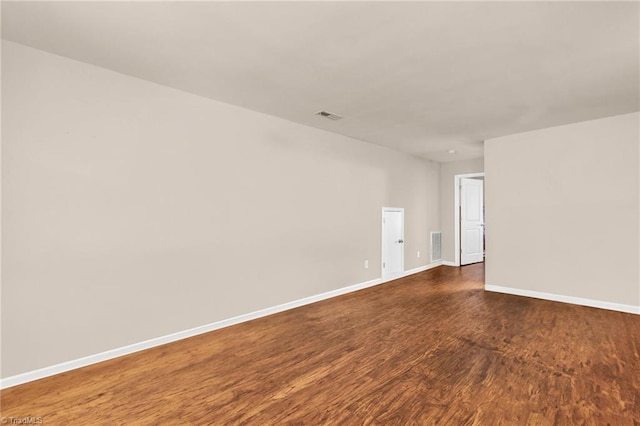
[(456, 212)]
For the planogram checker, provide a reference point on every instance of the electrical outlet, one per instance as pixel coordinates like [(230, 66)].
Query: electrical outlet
[(418, 253), (366, 264)]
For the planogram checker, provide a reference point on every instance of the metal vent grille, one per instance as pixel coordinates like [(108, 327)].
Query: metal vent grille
[(329, 115), (436, 246)]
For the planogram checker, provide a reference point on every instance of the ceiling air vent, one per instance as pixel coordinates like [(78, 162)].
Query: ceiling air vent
[(329, 115)]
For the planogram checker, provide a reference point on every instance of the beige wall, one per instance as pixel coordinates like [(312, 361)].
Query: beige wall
[(562, 210), (447, 200), (131, 210)]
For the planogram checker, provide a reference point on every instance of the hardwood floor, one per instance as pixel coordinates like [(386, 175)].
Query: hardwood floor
[(432, 348)]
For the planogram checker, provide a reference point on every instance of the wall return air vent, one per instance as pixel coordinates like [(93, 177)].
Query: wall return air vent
[(329, 115), (436, 246)]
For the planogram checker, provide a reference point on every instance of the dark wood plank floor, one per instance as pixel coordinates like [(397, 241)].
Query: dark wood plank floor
[(433, 348)]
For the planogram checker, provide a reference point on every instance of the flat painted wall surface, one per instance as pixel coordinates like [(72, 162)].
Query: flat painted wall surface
[(131, 210), (562, 210), (447, 200)]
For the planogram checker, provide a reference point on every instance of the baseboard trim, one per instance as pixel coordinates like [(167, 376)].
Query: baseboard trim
[(631, 309), (447, 263), (173, 337), (422, 268)]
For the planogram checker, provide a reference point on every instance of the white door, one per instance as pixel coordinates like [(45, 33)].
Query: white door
[(392, 242), (471, 221)]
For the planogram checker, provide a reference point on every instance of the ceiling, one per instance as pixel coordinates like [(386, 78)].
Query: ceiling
[(420, 77)]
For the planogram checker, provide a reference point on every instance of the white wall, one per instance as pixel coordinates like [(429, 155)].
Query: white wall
[(131, 210), (447, 200), (562, 211)]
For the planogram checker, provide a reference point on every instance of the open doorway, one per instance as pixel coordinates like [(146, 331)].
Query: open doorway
[(469, 218)]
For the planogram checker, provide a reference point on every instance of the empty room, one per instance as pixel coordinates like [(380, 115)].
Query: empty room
[(320, 213)]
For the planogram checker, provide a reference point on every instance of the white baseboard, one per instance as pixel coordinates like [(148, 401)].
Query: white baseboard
[(447, 263), (422, 268), (151, 343), (631, 309)]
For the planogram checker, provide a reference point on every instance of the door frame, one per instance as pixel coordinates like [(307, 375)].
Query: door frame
[(456, 211), (382, 251)]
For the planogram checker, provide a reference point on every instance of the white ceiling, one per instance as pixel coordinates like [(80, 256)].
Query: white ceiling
[(421, 77)]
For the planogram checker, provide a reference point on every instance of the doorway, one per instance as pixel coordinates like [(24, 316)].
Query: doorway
[(469, 218), (392, 242)]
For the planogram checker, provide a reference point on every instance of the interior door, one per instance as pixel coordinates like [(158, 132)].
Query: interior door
[(471, 221), (392, 242)]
